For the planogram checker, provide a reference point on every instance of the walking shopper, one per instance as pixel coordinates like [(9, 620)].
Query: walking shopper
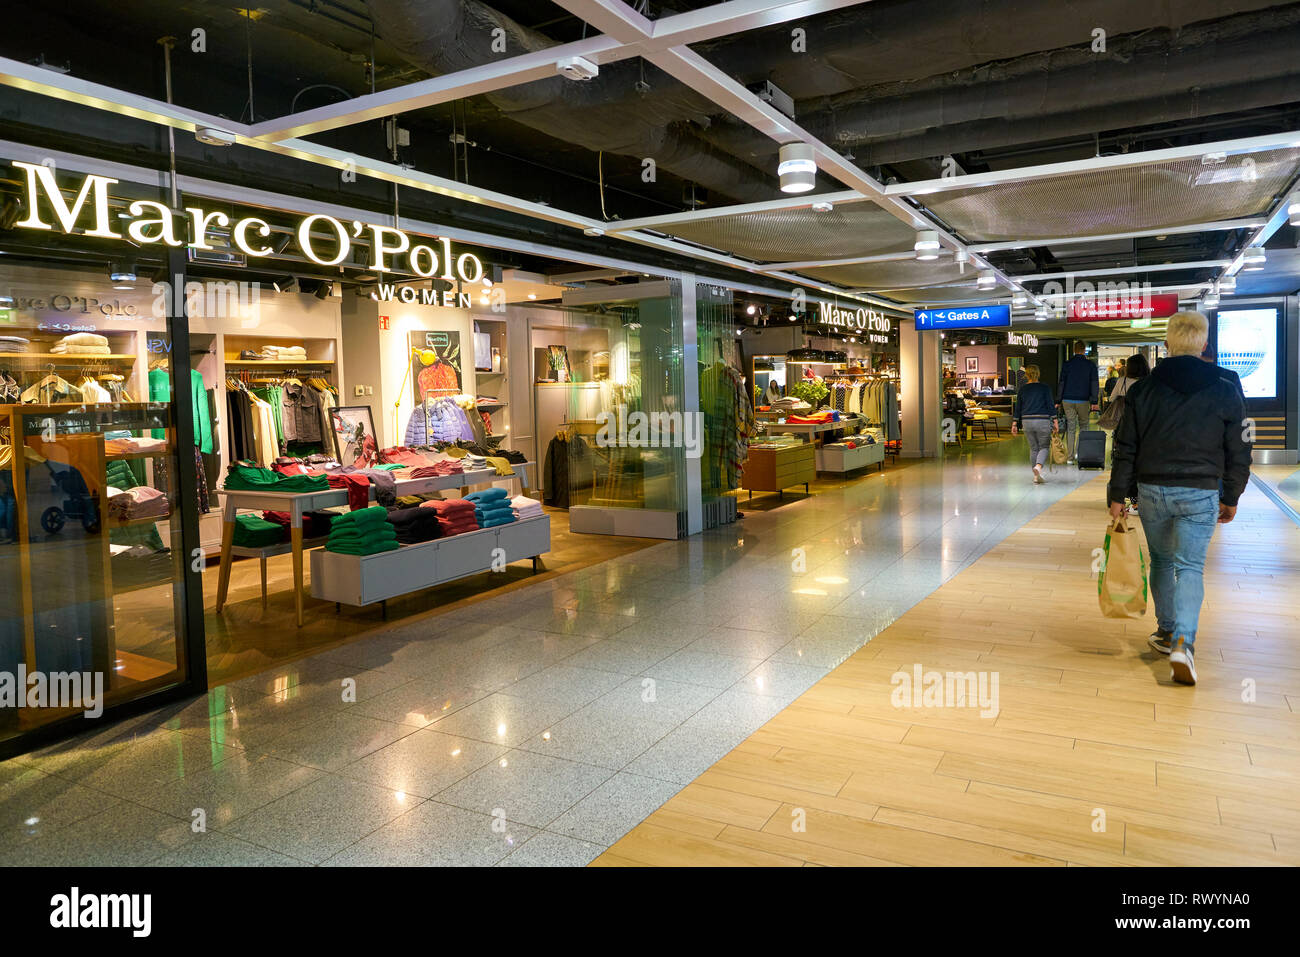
[(1181, 444), (1079, 391), (1035, 413)]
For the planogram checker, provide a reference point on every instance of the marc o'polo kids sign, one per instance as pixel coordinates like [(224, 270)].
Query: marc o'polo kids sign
[(323, 239)]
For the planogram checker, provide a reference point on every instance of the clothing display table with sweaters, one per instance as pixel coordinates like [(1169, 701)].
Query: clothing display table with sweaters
[(367, 579), (297, 504)]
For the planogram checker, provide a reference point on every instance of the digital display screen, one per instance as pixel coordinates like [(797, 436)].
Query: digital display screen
[(1248, 346)]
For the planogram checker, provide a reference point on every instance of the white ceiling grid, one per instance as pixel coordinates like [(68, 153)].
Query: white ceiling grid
[(863, 242)]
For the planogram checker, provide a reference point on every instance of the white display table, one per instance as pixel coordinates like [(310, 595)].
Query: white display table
[(366, 579)]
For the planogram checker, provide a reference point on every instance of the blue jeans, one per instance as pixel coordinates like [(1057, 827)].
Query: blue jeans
[(1179, 523)]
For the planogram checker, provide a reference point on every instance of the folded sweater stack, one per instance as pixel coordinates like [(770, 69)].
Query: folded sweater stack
[(415, 525), (254, 532), (492, 507), (365, 531), (525, 507), (82, 344), (455, 515), (284, 353)]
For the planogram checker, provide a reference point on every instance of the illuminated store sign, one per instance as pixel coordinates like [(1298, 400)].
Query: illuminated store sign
[(863, 317), (322, 239), (1022, 339)]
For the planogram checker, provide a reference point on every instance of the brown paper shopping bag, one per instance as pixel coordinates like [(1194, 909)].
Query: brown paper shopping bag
[(1122, 584)]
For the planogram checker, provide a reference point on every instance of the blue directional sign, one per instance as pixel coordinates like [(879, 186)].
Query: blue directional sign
[(965, 317)]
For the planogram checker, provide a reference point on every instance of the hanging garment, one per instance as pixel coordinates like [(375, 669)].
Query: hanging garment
[(300, 411)]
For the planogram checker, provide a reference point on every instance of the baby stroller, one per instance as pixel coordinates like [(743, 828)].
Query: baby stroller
[(79, 503)]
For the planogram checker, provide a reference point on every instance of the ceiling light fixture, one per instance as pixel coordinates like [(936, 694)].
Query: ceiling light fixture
[(987, 280), (751, 309), (1254, 258), (797, 168), (927, 245)]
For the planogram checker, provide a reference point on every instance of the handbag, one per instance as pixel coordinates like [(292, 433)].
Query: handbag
[(1122, 582), (1109, 419), (1057, 454)]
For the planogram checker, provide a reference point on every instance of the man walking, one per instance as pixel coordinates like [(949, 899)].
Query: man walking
[(1181, 446), (1079, 392)]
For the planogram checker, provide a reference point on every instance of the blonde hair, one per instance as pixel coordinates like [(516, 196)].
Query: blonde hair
[(1033, 373), (1187, 334)]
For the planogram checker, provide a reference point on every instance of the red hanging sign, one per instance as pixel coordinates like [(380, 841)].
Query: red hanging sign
[(1098, 309)]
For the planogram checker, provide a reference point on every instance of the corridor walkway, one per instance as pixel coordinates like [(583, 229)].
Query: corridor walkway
[(541, 725), (1086, 753)]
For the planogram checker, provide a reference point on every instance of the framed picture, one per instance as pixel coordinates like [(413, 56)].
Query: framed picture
[(972, 364), (558, 359), (353, 429), (435, 365)]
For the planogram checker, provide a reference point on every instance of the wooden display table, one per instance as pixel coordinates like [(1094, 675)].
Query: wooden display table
[(774, 470)]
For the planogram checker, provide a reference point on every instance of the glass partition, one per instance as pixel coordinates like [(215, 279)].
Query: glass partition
[(92, 609)]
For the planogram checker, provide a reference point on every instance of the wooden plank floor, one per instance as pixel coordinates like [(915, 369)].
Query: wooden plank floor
[(1094, 758)]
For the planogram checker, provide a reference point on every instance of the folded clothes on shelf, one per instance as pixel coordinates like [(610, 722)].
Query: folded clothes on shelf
[(139, 502), (314, 524), (247, 477), (132, 445), (253, 532), (284, 353), (82, 343), (365, 531), (14, 344), (455, 515), (415, 525), (525, 507)]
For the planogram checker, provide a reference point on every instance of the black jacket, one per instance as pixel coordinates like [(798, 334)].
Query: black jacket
[(1182, 425), (1078, 381), (1035, 401)]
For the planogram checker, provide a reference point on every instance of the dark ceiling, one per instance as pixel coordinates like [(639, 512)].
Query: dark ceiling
[(896, 84)]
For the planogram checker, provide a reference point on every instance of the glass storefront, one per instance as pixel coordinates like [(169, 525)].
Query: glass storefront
[(94, 484)]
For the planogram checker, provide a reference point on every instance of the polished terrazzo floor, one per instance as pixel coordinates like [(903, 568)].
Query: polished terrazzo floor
[(535, 728)]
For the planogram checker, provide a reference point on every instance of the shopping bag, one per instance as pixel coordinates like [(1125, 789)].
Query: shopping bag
[(1056, 453), (1122, 583)]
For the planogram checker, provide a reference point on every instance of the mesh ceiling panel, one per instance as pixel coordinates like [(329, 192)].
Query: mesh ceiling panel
[(947, 295), (796, 235), (903, 272), (1176, 193)]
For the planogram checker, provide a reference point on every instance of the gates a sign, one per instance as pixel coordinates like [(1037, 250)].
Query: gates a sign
[(1137, 306)]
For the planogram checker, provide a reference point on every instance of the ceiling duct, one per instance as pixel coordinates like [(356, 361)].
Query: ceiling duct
[(445, 36)]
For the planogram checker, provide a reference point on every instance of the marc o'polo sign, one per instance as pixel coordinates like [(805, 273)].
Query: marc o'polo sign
[(153, 223), (863, 318), (1100, 308)]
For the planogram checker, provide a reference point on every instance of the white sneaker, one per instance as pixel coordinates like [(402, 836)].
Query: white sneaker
[(1181, 664), (1038, 475)]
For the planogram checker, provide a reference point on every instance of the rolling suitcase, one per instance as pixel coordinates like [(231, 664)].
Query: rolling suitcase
[(1092, 449)]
